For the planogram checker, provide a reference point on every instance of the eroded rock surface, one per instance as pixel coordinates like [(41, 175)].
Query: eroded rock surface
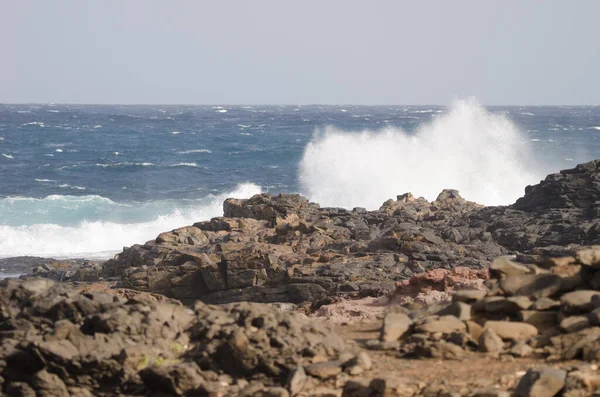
[(286, 249), (55, 340)]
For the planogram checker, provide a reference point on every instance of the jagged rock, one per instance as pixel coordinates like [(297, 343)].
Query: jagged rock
[(460, 310), (543, 382), (57, 341), (395, 325), (489, 341)]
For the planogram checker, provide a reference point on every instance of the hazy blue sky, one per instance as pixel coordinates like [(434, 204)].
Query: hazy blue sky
[(342, 51)]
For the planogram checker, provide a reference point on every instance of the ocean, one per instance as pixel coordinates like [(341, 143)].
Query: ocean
[(87, 180)]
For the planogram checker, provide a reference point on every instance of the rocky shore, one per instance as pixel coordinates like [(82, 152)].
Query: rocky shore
[(280, 297)]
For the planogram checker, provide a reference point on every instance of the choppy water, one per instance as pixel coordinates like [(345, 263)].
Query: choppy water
[(87, 180)]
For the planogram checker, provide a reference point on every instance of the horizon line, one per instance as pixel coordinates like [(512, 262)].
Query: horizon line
[(274, 104)]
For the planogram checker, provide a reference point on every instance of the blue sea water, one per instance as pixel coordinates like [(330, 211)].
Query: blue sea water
[(84, 181)]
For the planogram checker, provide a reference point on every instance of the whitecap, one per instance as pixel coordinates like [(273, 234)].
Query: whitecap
[(175, 132), (535, 140), (102, 239), (527, 114), (343, 110), (595, 128), (1, 138), (97, 126), (116, 153), (8, 156), (53, 111), (59, 150), (244, 126), (222, 111), (184, 165), (48, 155), (245, 133), (44, 180), (467, 148), (38, 123), (195, 151)]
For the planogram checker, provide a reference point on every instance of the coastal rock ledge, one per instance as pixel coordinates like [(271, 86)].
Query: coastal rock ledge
[(286, 249)]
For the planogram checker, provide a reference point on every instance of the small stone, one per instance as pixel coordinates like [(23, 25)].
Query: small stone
[(594, 317), (468, 296), (460, 310), (540, 319), (490, 393), (325, 370), (589, 256), (489, 341), (509, 330), (297, 380), (395, 325), (474, 329), (273, 392), (542, 382), (532, 285), (443, 324), (578, 301), (545, 304), (502, 267), (521, 349), (574, 323)]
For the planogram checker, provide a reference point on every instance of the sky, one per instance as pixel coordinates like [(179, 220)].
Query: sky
[(508, 52)]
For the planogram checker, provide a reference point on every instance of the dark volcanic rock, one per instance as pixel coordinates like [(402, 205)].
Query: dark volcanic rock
[(57, 341), (286, 249)]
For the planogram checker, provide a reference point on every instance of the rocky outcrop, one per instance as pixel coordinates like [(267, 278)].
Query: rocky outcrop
[(286, 249), (57, 341)]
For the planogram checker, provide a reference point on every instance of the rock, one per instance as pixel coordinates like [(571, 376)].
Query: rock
[(475, 330), (468, 296), (534, 285), (297, 381), (448, 351), (590, 256), (503, 267), (521, 349), (325, 370), (594, 317), (61, 341), (443, 324), (489, 341), (47, 384), (509, 330), (540, 319), (395, 325), (578, 301), (545, 304), (460, 310), (543, 382), (574, 323)]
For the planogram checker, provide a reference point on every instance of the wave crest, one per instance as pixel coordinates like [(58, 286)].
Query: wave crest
[(81, 226), (481, 154)]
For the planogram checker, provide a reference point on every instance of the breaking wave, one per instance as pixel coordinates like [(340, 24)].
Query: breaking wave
[(468, 148), (96, 227)]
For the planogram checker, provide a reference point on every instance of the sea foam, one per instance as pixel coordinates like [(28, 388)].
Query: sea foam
[(88, 234), (468, 148)]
